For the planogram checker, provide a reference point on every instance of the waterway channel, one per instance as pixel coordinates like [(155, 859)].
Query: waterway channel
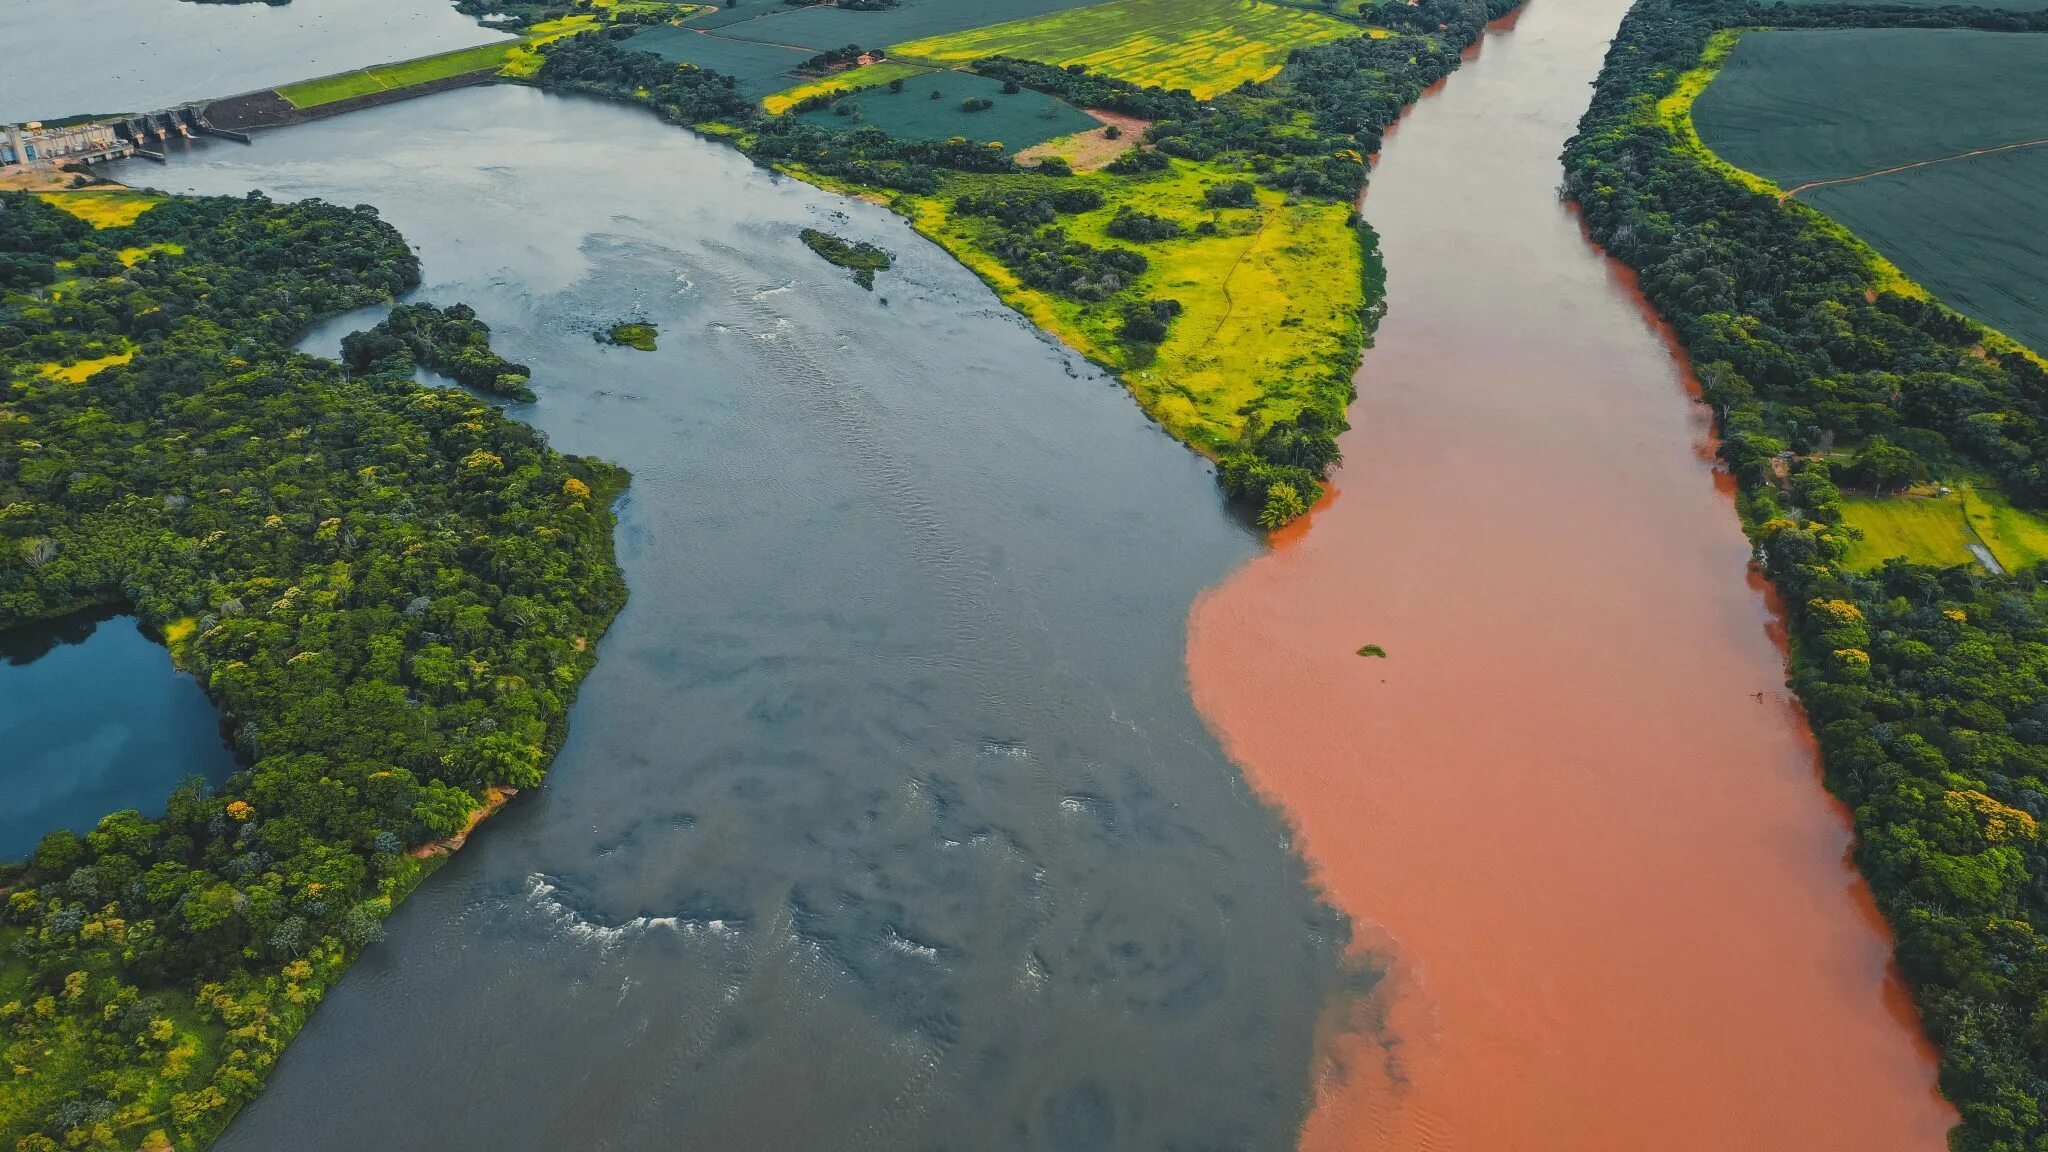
[(1573, 807), (886, 820)]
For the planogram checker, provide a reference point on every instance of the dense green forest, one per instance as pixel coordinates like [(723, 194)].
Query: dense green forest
[(391, 591), (1307, 133), (450, 341), (1928, 688)]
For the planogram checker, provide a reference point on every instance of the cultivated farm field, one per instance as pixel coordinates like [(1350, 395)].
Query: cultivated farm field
[(820, 27), (1204, 46), (1799, 106), (1931, 145), (1017, 120), (1974, 233), (758, 69)]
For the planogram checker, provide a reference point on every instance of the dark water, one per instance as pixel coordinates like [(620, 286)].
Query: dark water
[(886, 821), (72, 57), (94, 719)]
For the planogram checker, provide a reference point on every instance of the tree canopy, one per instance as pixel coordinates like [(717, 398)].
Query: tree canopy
[(391, 591)]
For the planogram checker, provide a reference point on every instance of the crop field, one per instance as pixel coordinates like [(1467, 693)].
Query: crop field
[(1939, 530), (1931, 145), (104, 207), (1018, 120), (1271, 301), (759, 69), (1205, 46), (1796, 107), (821, 27), (851, 80), (1974, 232)]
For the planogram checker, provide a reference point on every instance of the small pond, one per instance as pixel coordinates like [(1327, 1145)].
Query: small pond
[(94, 719)]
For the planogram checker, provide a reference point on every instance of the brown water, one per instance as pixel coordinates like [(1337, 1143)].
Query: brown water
[(1574, 809)]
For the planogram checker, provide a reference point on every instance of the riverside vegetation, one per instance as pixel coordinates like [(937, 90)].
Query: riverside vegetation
[(391, 591), (1220, 268), (1927, 686)]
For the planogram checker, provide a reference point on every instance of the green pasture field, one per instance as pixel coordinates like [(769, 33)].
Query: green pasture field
[(759, 69), (1939, 530), (822, 27), (1799, 106), (1018, 120), (328, 89), (1974, 232), (1205, 46), (1271, 301)]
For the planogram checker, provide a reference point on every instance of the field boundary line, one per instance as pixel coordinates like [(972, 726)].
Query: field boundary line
[(1909, 167)]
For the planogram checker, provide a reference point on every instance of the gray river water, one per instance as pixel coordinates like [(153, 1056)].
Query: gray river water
[(885, 821), (63, 58)]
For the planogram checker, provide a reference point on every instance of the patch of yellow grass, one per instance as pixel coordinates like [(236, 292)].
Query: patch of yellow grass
[(1271, 302), (130, 257), (83, 370), (1204, 46), (104, 207), (523, 62), (851, 80)]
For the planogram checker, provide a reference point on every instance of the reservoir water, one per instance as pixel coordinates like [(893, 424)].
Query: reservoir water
[(100, 57), (94, 719), (886, 820), (1573, 808)]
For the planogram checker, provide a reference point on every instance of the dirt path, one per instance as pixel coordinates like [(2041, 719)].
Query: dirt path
[(1915, 164)]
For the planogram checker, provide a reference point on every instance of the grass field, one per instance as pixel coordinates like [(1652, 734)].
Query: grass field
[(405, 73), (759, 69), (1271, 302), (104, 207), (1810, 110), (1205, 46), (851, 80), (83, 370), (1939, 530), (1018, 120)]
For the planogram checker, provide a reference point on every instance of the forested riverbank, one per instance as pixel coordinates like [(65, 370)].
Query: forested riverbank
[(392, 593), (1927, 687), (1259, 378)]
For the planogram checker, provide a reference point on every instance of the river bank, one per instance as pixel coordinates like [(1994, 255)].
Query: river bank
[(887, 785), (1573, 810)]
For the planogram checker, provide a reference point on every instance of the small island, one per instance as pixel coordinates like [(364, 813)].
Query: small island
[(625, 335), (863, 258)]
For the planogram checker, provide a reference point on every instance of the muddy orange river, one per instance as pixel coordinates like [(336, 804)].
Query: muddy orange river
[(1573, 812)]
